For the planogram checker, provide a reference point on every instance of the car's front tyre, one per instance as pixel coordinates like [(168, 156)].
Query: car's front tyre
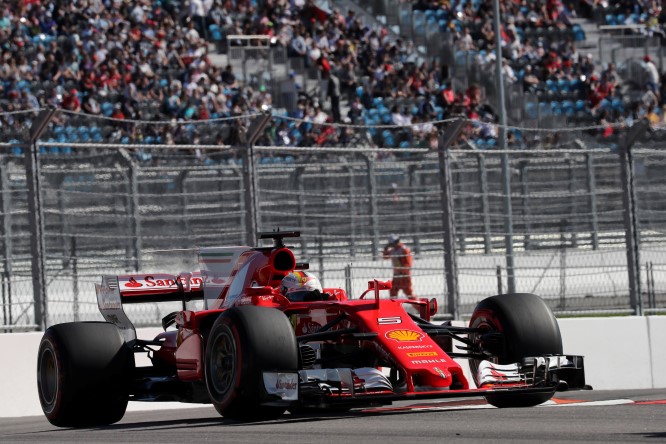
[(526, 328), (243, 343)]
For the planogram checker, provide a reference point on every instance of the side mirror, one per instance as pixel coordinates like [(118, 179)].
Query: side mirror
[(432, 307), (381, 285)]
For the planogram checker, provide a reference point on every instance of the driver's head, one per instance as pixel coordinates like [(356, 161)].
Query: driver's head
[(299, 286)]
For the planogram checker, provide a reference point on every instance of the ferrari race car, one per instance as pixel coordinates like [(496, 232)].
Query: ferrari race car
[(254, 353)]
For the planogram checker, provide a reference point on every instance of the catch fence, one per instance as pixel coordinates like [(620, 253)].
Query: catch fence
[(585, 229)]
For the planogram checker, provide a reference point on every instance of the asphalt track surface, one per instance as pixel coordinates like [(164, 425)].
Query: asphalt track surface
[(589, 416)]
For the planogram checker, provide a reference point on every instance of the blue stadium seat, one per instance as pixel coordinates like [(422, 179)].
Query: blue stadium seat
[(563, 85), (545, 109), (556, 108), (531, 110), (580, 105), (617, 105), (107, 109), (568, 108), (579, 33), (551, 85)]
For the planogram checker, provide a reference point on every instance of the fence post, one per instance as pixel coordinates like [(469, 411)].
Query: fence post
[(300, 196), (372, 190), (523, 169), (7, 245), (320, 252), (250, 136), (352, 214), (508, 224), (573, 228), (348, 280), (563, 263), (135, 246), (412, 209), (485, 207), (180, 185), (632, 238), (75, 278), (592, 192), (36, 217), (445, 140)]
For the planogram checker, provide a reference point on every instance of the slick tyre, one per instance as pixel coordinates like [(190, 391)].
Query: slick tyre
[(528, 328), (243, 343), (84, 373)]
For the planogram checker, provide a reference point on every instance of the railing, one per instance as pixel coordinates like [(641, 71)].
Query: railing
[(579, 217)]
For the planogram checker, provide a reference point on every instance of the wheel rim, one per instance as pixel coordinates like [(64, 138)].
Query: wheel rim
[(223, 365), (48, 376)]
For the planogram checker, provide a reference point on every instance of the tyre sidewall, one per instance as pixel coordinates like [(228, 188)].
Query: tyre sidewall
[(51, 408), (224, 325)]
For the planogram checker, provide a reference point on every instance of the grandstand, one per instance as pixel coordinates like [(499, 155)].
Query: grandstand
[(389, 62)]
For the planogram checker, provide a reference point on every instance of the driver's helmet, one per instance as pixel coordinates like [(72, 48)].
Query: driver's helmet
[(300, 286)]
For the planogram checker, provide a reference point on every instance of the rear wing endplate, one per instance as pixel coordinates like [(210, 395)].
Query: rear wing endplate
[(111, 306)]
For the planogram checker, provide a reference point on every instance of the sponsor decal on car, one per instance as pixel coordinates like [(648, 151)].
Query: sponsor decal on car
[(412, 347), (389, 320), (132, 283), (440, 372), (404, 335), (284, 385), (157, 281), (421, 354), (245, 300), (108, 298), (428, 361), (308, 327)]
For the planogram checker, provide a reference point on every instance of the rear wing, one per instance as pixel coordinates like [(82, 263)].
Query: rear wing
[(115, 291)]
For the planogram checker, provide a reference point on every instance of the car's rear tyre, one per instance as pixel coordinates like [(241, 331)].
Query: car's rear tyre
[(528, 328), (84, 373), (243, 343)]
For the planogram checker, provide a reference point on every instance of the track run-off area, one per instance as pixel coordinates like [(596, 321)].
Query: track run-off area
[(576, 416)]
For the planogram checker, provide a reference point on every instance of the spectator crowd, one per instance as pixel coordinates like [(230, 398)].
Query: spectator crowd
[(139, 60)]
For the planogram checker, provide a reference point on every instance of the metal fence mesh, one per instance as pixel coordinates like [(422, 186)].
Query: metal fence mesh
[(126, 208)]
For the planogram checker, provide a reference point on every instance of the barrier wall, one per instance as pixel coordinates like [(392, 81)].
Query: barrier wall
[(620, 353)]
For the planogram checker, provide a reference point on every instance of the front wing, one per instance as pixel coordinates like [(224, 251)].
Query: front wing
[(368, 386)]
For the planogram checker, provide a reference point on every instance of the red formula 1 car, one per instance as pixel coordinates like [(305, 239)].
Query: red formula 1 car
[(254, 353)]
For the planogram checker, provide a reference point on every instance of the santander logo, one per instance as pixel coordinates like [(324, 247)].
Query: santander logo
[(133, 283)]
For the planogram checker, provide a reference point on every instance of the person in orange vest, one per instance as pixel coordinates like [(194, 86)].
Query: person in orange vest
[(402, 260)]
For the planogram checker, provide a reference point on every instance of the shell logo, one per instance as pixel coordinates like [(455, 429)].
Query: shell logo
[(404, 335)]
